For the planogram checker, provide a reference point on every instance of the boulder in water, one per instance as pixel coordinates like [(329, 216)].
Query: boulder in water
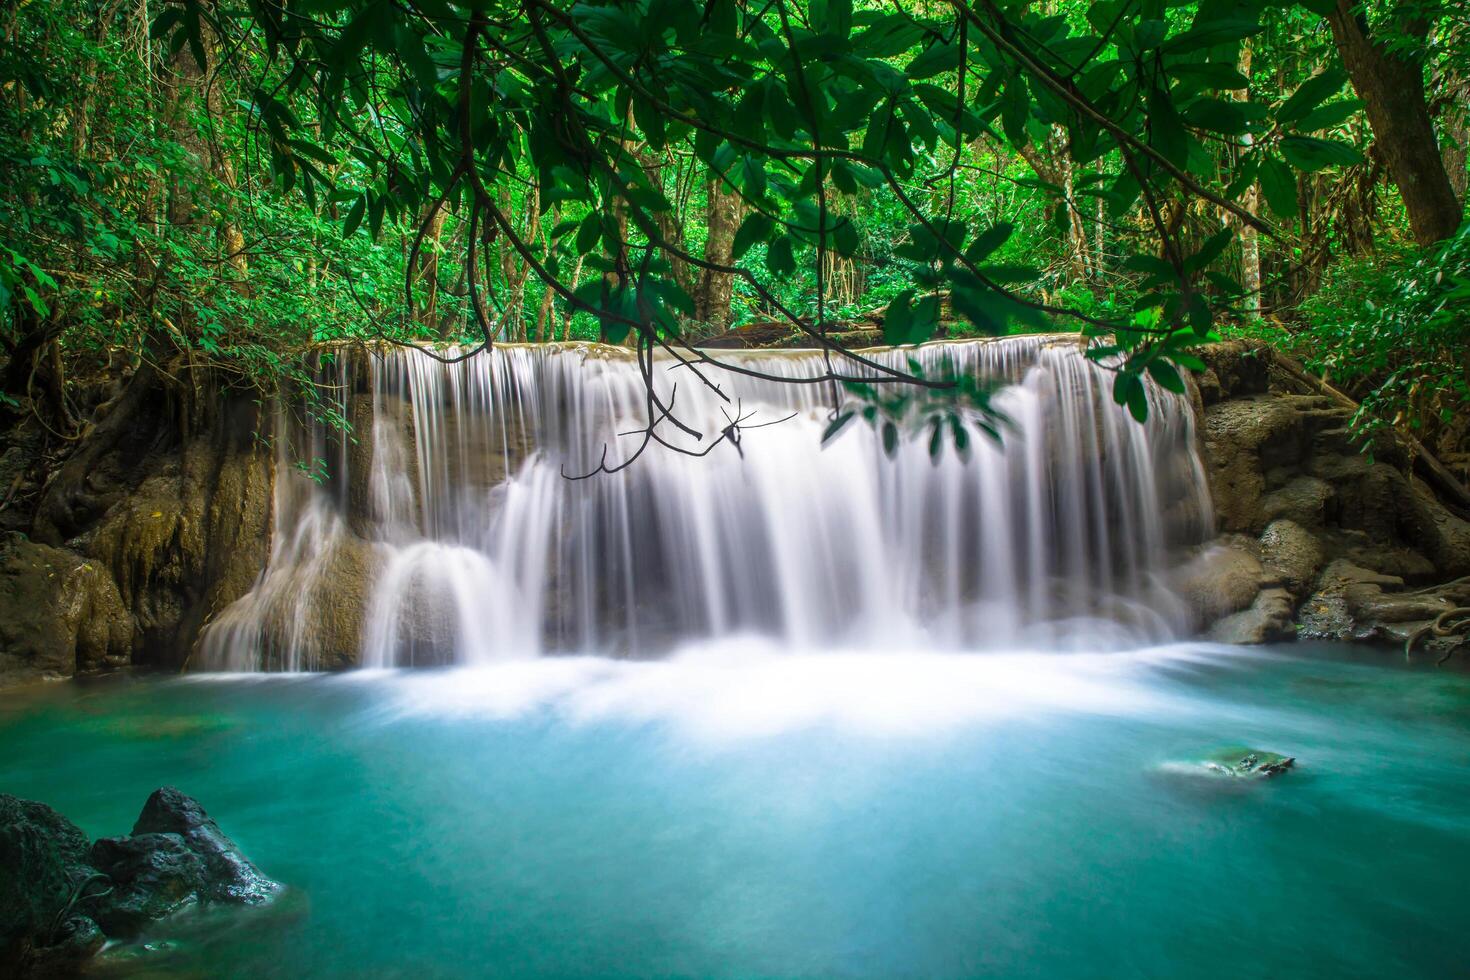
[(1240, 762), (44, 880), (61, 898), (228, 875), (153, 875)]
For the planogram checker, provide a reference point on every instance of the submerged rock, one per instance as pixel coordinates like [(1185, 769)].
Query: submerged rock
[(61, 898), (1238, 761)]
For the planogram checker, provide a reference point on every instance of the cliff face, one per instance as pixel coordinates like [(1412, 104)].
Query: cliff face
[(1322, 536), (159, 518)]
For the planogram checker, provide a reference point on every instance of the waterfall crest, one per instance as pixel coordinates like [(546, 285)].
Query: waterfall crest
[(446, 529)]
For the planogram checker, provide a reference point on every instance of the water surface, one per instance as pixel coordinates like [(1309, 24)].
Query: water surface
[(738, 812)]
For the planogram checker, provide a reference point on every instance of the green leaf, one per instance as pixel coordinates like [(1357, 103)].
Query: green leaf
[(1310, 94), (1209, 251), (837, 425), (1167, 377), (988, 241), (1211, 34), (898, 318), (354, 216), (1278, 184), (1128, 390), (933, 60), (780, 260), (1166, 130), (588, 233), (756, 227), (1329, 115), (1310, 153)]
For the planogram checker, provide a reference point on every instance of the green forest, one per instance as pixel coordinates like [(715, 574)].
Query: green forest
[(202, 182)]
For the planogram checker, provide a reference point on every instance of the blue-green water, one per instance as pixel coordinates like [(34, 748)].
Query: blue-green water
[(744, 814)]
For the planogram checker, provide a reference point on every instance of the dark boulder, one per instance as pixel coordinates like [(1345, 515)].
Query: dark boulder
[(45, 882), (228, 875), (62, 898), (153, 875)]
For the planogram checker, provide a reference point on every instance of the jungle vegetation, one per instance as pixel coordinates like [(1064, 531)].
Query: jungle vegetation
[(201, 181)]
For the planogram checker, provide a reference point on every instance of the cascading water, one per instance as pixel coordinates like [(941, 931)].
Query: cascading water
[(447, 529)]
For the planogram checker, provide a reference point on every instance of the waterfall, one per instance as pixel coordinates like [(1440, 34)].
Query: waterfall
[(447, 527)]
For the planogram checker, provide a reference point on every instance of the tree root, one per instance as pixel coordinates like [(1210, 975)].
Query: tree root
[(1438, 628)]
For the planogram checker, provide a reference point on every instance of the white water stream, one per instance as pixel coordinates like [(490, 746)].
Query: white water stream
[(448, 531)]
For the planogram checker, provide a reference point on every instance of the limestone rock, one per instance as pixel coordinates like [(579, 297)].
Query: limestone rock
[(1293, 554), (59, 614), (1235, 433), (1302, 500), (1222, 579), (1268, 620), (1356, 604)]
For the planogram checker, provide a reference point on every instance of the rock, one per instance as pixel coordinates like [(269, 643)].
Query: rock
[(228, 875), (153, 875), (1293, 554), (1243, 762), (1342, 524), (1442, 536), (188, 541), (1237, 435), (1357, 604), (1220, 580), (1268, 620), (59, 614), (61, 899), (1302, 500), (43, 873)]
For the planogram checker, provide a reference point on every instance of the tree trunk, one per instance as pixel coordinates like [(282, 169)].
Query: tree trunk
[(191, 80), (1250, 239), (669, 226), (427, 274), (722, 218), (1391, 86)]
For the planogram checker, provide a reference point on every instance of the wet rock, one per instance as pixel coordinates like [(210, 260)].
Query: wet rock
[(59, 614), (61, 898), (1268, 620), (1357, 604), (1242, 762), (153, 875), (1302, 500), (44, 875), (1238, 435), (228, 874), (1443, 537), (1222, 579), (1293, 554), (189, 541)]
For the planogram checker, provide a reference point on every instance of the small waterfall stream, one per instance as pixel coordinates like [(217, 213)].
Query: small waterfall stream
[(445, 530)]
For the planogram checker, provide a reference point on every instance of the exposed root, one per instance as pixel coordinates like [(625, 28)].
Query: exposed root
[(1438, 627)]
